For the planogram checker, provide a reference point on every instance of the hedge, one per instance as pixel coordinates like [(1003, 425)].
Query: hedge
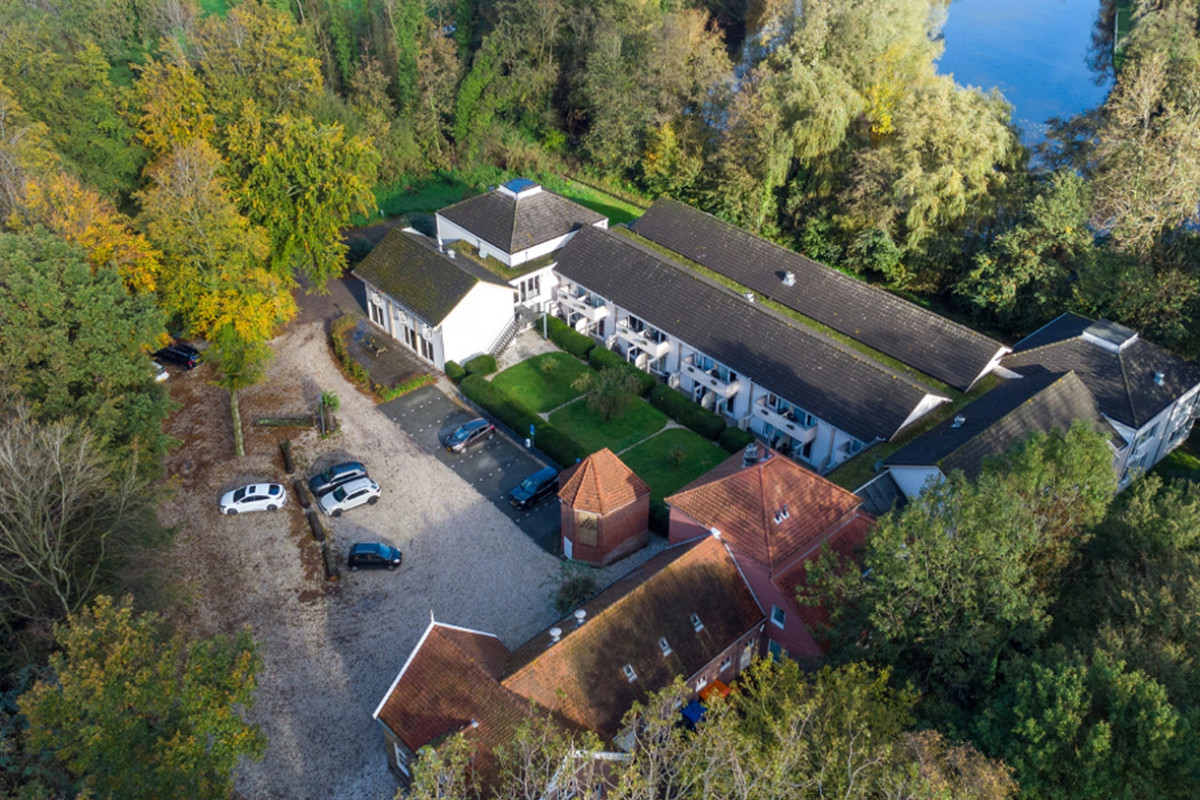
[(568, 338), (337, 336), (557, 445), (481, 365), (500, 405), (386, 393), (454, 372), (734, 440), (685, 412), (600, 358)]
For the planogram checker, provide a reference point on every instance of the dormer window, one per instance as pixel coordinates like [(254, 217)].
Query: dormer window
[(630, 675), (697, 625), (664, 645)]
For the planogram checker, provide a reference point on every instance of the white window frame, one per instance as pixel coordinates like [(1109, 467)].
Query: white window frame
[(778, 616)]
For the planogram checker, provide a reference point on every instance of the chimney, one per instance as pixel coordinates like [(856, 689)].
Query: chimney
[(579, 616), (750, 455), (1158, 378), (959, 421), (555, 635), (474, 723), (789, 278)]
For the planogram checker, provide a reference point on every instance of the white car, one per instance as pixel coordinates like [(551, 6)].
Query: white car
[(349, 495), (160, 372), (255, 497)]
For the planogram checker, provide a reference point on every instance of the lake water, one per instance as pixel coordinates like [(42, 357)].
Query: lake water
[(1034, 51)]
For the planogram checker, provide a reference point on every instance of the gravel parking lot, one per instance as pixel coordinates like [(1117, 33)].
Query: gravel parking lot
[(330, 651)]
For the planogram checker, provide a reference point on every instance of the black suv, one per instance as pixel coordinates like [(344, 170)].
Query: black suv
[(373, 555), (182, 355), (534, 488), (335, 476), (473, 432)]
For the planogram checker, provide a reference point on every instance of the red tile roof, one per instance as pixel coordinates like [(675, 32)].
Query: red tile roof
[(601, 483), (773, 511), (581, 676)]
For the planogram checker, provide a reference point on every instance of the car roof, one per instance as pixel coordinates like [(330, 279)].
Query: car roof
[(345, 466), (474, 424), (544, 472), (357, 483), (372, 547)]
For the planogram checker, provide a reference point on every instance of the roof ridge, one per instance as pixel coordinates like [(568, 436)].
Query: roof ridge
[(807, 330), (765, 527), (1058, 376), (1133, 415)]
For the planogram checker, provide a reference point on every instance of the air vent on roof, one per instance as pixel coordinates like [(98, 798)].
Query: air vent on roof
[(716, 532), (474, 723), (579, 615), (789, 278), (696, 623), (1158, 378), (452, 253), (959, 421), (555, 634), (750, 455), (749, 296)]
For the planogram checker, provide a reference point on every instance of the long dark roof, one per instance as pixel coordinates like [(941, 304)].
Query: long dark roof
[(517, 223), (1120, 372), (908, 333), (409, 268), (828, 379), (1000, 419)]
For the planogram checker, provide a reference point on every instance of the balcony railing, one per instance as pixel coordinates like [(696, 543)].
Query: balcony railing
[(647, 345), (710, 378), (582, 306), (785, 422)]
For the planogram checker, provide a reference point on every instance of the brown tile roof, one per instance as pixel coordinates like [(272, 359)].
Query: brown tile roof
[(848, 541), (449, 682), (601, 483), (581, 676), (746, 504)]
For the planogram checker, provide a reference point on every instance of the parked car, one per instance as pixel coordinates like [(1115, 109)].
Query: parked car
[(253, 497), (160, 372), (335, 476), (349, 495), (373, 555), (180, 354), (473, 432), (534, 488)]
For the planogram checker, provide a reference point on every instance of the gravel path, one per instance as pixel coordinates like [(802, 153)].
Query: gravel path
[(330, 651)]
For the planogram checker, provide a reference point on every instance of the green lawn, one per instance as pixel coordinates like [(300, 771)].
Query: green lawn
[(530, 384), (652, 461), (1178, 464), (592, 433)]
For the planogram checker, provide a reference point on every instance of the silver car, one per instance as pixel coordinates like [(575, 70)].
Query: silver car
[(350, 495)]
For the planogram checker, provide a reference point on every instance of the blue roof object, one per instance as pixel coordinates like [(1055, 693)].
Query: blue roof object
[(518, 185)]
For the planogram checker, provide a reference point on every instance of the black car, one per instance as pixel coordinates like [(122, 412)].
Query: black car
[(473, 432), (182, 355), (335, 476), (534, 488), (373, 555)]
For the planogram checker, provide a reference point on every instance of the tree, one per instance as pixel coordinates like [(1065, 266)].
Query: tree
[(301, 181), (134, 713), (68, 513), (610, 391), (73, 344), (968, 570)]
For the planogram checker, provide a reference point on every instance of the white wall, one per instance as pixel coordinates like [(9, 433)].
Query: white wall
[(913, 480), (475, 322), (448, 232)]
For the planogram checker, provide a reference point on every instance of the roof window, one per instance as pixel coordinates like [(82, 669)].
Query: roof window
[(664, 645), (696, 623), (630, 675)]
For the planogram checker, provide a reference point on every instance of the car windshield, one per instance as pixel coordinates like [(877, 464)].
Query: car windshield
[(339, 493), (274, 489), (531, 483), (240, 493)]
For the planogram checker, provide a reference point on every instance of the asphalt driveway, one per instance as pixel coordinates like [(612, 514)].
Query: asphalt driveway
[(492, 468)]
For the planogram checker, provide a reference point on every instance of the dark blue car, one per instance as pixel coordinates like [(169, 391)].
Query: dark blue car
[(373, 555), (534, 488)]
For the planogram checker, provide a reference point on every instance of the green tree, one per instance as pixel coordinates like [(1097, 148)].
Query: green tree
[(73, 344), (132, 712), (610, 391)]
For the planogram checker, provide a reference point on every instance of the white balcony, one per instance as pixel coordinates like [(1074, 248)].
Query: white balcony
[(581, 305), (648, 346), (709, 379), (785, 422)]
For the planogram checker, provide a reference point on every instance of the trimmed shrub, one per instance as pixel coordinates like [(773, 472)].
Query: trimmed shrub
[(337, 337), (557, 445), (498, 404), (734, 440), (454, 372), (392, 392), (568, 338), (481, 365), (685, 412), (600, 358), (660, 517)]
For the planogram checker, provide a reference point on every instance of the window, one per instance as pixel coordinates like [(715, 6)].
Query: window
[(701, 682), (376, 313), (426, 348), (776, 650), (726, 664), (778, 616), (586, 526), (530, 288), (630, 675), (697, 625), (664, 645)]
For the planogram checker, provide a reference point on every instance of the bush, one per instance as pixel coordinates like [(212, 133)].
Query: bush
[(557, 445), (600, 358), (392, 392), (660, 517), (568, 338), (337, 337), (685, 412), (734, 440), (498, 404), (454, 372), (481, 365)]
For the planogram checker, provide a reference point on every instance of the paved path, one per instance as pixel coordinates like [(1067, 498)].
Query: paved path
[(492, 468)]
